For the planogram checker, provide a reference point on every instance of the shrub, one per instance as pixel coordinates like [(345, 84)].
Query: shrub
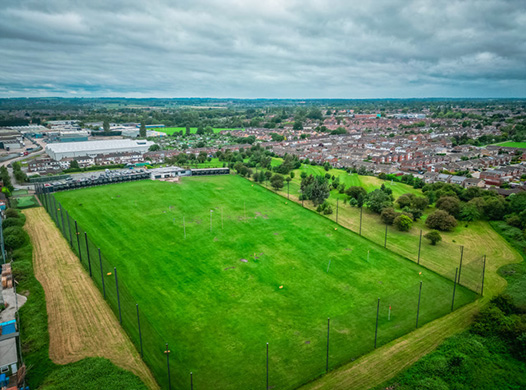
[(403, 223), (12, 213), (450, 204), (388, 215), (434, 237), (14, 237), (9, 222), (441, 220)]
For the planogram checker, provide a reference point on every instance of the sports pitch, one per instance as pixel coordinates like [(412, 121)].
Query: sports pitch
[(266, 271)]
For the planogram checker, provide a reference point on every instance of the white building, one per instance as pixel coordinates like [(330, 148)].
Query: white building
[(58, 151)]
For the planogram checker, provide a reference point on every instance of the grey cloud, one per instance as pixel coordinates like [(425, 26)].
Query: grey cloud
[(274, 48)]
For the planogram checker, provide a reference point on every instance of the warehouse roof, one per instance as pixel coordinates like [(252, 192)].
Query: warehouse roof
[(97, 145)]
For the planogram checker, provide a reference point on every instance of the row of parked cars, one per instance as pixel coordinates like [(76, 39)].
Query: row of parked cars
[(95, 180)]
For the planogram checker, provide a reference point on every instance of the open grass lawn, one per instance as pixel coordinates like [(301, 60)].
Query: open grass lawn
[(513, 144), (442, 258), (193, 130), (272, 271)]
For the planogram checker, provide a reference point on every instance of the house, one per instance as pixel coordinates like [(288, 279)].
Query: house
[(473, 182), (457, 180)]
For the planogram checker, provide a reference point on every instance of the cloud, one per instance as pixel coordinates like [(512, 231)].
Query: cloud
[(265, 48)]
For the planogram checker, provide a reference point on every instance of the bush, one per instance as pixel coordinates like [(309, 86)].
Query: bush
[(403, 223), (441, 220), (12, 213), (388, 215), (450, 204), (14, 237), (13, 242), (434, 237), (9, 222)]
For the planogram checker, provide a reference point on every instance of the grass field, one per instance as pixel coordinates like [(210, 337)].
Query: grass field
[(193, 130), (274, 272), (513, 144), (23, 202)]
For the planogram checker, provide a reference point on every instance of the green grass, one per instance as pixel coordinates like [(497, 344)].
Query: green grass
[(92, 373), (513, 144), (35, 340), (218, 312), (193, 130), (24, 202)]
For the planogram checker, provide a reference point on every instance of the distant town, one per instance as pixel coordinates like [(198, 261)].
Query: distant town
[(466, 143)]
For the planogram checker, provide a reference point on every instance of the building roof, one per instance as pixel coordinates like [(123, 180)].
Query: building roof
[(94, 146)]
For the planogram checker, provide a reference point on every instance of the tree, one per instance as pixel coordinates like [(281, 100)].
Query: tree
[(201, 157), (154, 148), (469, 212), (495, 208), (405, 200), (450, 204), (106, 126), (187, 130), (378, 200), (403, 223), (434, 237), (297, 125), (419, 203), (276, 181), (74, 164), (517, 202), (142, 130), (441, 220), (355, 192), (388, 215)]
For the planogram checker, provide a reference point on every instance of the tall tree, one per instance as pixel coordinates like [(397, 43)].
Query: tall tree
[(106, 126), (142, 130)]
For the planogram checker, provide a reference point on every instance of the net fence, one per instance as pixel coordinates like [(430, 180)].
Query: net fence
[(293, 358)]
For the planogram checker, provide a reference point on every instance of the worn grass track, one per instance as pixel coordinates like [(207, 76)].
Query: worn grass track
[(80, 322)]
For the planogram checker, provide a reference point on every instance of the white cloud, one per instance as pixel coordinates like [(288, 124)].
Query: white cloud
[(274, 48)]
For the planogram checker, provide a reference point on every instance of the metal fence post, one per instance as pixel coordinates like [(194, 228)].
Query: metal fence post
[(191, 381), (102, 276), (361, 212), (87, 252), (419, 246), (62, 217), (69, 229), (460, 265), (385, 242), (337, 201), (483, 273), (118, 297), (418, 307), (376, 330), (78, 240), (454, 288)]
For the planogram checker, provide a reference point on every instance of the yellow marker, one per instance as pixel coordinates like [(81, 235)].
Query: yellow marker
[(420, 273), (280, 286), (109, 273), (335, 228)]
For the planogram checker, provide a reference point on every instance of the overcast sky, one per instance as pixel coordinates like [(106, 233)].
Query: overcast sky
[(263, 48)]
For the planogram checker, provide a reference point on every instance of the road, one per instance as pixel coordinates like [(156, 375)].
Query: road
[(5, 163)]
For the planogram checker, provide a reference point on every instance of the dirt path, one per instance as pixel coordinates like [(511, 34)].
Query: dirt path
[(81, 324)]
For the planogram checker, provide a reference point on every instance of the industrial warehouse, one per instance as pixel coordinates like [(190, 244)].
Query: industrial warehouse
[(59, 151)]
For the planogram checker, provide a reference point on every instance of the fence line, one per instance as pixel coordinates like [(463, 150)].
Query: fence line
[(388, 318)]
